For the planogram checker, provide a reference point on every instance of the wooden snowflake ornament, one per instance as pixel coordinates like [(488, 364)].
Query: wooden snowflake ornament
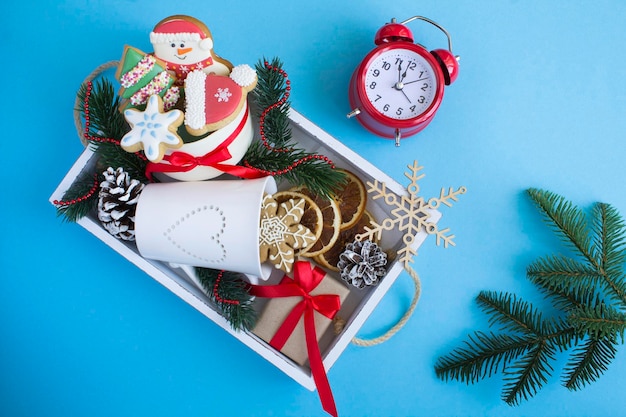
[(411, 214), (281, 233)]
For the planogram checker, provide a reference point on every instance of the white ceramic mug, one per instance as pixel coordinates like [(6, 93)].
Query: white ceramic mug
[(211, 224)]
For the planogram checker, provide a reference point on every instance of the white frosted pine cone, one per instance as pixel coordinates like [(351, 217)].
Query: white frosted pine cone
[(362, 264), (117, 202)]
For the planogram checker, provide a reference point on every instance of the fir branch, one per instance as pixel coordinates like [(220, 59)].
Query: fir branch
[(112, 155), (590, 294), (610, 242), (510, 313), (528, 375), (107, 126), (106, 119), (564, 299), (567, 220), (484, 354), (271, 87), (230, 296), (315, 174), (558, 273), (588, 362), (80, 198), (600, 321), (277, 153)]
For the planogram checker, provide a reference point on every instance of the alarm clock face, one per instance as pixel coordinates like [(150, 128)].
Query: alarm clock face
[(400, 84)]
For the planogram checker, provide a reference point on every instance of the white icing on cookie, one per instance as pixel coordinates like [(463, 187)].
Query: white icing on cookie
[(155, 86), (152, 130), (243, 75), (195, 99)]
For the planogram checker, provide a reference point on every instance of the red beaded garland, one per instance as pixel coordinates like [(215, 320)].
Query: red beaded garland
[(88, 123), (79, 199), (276, 105), (216, 292)]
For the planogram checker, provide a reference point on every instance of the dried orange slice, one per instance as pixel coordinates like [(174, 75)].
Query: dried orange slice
[(351, 198), (330, 258), (312, 218), (331, 220)]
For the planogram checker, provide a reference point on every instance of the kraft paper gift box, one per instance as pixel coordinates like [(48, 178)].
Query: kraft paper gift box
[(277, 309)]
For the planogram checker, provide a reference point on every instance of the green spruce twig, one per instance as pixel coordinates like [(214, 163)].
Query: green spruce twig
[(105, 118), (81, 198), (230, 294), (587, 288), (107, 126), (280, 154)]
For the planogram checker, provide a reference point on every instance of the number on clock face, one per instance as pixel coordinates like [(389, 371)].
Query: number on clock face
[(400, 84)]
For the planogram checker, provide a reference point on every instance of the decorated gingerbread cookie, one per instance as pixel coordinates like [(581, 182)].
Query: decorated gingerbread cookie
[(153, 130), (281, 234), (213, 101), (143, 75), (185, 45)]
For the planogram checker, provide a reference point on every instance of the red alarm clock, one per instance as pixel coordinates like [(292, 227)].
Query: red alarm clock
[(396, 90)]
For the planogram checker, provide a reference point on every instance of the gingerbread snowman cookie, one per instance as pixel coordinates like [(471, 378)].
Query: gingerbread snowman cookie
[(185, 44), (185, 77)]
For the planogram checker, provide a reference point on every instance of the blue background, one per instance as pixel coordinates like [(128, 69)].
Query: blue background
[(540, 102)]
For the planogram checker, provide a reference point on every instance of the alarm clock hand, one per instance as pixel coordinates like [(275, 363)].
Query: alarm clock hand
[(401, 74), (404, 74), (414, 81), (407, 97)]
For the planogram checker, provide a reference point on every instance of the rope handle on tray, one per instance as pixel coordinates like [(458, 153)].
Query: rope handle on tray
[(356, 340), (403, 320)]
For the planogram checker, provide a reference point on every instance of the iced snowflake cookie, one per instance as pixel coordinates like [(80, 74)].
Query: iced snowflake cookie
[(152, 130), (281, 233), (213, 101)]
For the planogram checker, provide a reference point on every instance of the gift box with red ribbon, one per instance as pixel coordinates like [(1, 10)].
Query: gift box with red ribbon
[(298, 313)]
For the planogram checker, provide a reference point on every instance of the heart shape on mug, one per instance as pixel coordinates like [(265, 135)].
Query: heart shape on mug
[(197, 233)]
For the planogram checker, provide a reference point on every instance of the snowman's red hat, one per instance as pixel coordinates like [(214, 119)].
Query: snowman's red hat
[(184, 28)]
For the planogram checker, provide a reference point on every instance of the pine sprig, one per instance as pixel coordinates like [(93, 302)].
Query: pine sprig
[(482, 356), (271, 93), (81, 198), (560, 273), (588, 289), (230, 295), (100, 105), (105, 118), (601, 321), (567, 220), (112, 155), (610, 242), (527, 376), (314, 174), (510, 313), (588, 362), (277, 152)]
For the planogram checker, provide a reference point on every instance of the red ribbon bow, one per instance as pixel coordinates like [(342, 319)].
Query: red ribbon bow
[(183, 162), (305, 280)]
